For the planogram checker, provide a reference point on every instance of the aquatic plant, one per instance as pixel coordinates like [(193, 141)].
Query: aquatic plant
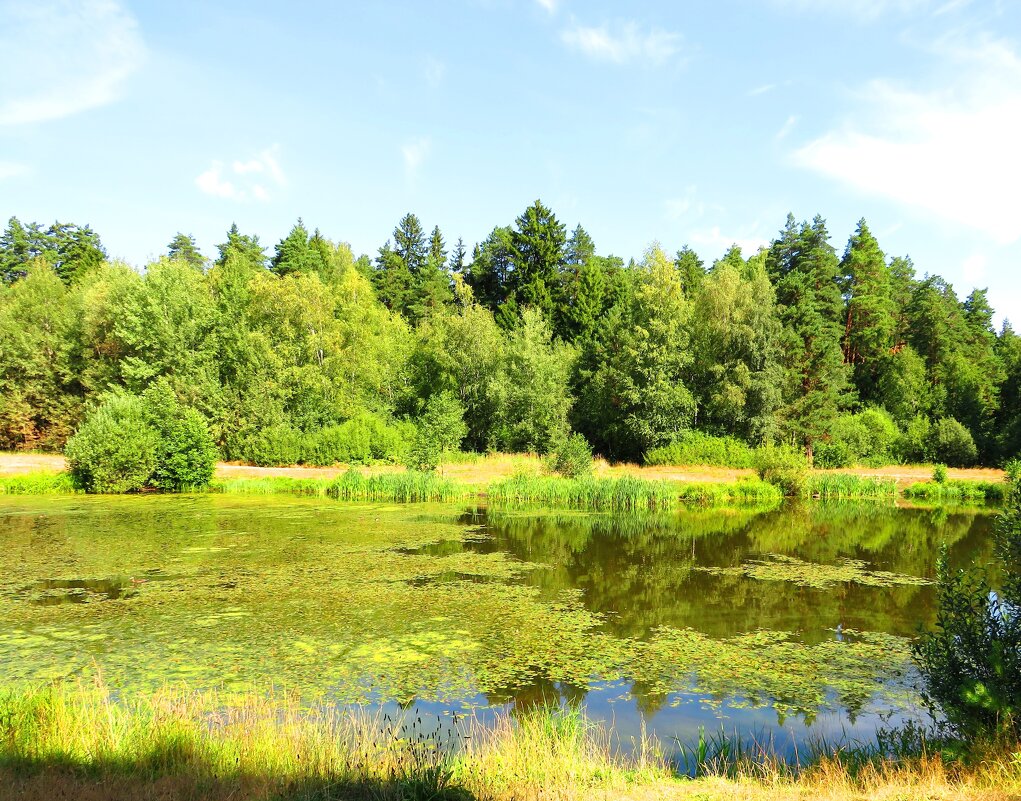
[(408, 487), (840, 486), (778, 567), (625, 493), (746, 491), (40, 484), (956, 491)]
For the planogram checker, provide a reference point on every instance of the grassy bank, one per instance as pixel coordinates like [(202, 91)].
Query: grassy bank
[(601, 493), (73, 742)]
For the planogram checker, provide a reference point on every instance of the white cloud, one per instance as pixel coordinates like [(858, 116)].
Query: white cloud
[(623, 42), (677, 208), (549, 5), (950, 152), (11, 169), (761, 90), (59, 58), (787, 127), (434, 71), (415, 154), (865, 10), (713, 241), (242, 181)]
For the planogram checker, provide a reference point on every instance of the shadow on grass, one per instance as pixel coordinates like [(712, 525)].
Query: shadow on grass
[(148, 779)]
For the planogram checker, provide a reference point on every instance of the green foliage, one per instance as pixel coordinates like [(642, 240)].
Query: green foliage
[(953, 443), (572, 457), (869, 437), (411, 487), (697, 447), (746, 491), (115, 449), (971, 662), (40, 484), (275, 446), (441, 428), (185, 454), (784, 468), (361, 440), (939, 473), (956, 491)]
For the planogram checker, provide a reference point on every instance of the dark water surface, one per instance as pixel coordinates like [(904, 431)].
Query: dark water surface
[(791, 623)]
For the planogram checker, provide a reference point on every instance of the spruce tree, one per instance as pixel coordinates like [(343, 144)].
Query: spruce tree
[(183, 247)]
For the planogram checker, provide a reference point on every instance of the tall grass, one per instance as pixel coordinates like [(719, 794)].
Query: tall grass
[(218, 747), (75, 742), (956, 491), (747, 491), (409, 487), (624, 493), (834, 486), (39, 484)]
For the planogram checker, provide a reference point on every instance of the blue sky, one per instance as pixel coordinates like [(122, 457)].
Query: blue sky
[(683, 122)]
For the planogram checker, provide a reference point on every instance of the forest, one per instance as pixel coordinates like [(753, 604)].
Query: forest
[(303, 353)]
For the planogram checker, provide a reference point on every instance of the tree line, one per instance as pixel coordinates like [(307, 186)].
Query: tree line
[(305, 353)]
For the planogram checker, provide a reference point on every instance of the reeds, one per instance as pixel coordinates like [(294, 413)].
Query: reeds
[(39, 484), (625, 493), (843, 486), (750, 491), (409, 487), (956, 491)]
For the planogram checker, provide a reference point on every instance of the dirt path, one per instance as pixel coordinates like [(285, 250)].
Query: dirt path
[(486, 469)]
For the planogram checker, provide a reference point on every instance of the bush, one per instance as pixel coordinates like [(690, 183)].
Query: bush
[(868, 437), (784, 468), (913, 444), (274, 446), (115, 448), (952, 443), (971, 663), (360, 440), (696, 447), (939, 473), (186, 454), (572, 458), (440, 429)]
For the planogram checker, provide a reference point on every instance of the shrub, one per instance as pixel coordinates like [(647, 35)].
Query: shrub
[(913, 443), (971, 663), (572, 457), (696, 447), (832, 454), (440, 429), (362, 439), (939, 473), (868, 437), (185, 454), (952, 443), (274, 446), (115, 448), (783, 467)]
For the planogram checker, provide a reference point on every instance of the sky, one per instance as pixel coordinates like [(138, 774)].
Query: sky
[(679, 122)]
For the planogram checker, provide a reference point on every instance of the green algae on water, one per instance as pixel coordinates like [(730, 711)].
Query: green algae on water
[(778, 567)]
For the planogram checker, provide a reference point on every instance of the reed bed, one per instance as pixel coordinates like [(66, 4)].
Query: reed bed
[(409, 487), (956, 491), (39, 484), (749, 491), (625, 493), (844, 486)]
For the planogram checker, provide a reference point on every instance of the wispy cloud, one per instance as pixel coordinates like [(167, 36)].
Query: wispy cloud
[(434, 71), (244, 180), (623, 42), (61, 58), (713, 241), (11, 169), (786, 128), (549, 5), (864, 10), (761, 90), (415, 153), (685, 206), (950, 152)]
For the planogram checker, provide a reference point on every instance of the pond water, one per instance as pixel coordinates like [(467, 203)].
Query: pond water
[(792, 624)]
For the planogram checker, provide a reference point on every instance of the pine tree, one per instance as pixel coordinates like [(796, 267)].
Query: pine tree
[(538, 250), (804, 269), (409, 243), (292, 253), (183, 247), (246, 247)]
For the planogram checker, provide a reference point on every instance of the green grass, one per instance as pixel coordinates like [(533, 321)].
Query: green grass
[(956, 491), (409, 487), (625, 493), (698, 448), (842, 486), (747, 491), (39, 484)]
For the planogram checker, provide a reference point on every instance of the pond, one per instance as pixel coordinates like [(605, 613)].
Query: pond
[(792, 624)]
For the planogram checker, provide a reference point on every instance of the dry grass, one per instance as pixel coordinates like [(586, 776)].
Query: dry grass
[(489, 468), (74, 743)]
